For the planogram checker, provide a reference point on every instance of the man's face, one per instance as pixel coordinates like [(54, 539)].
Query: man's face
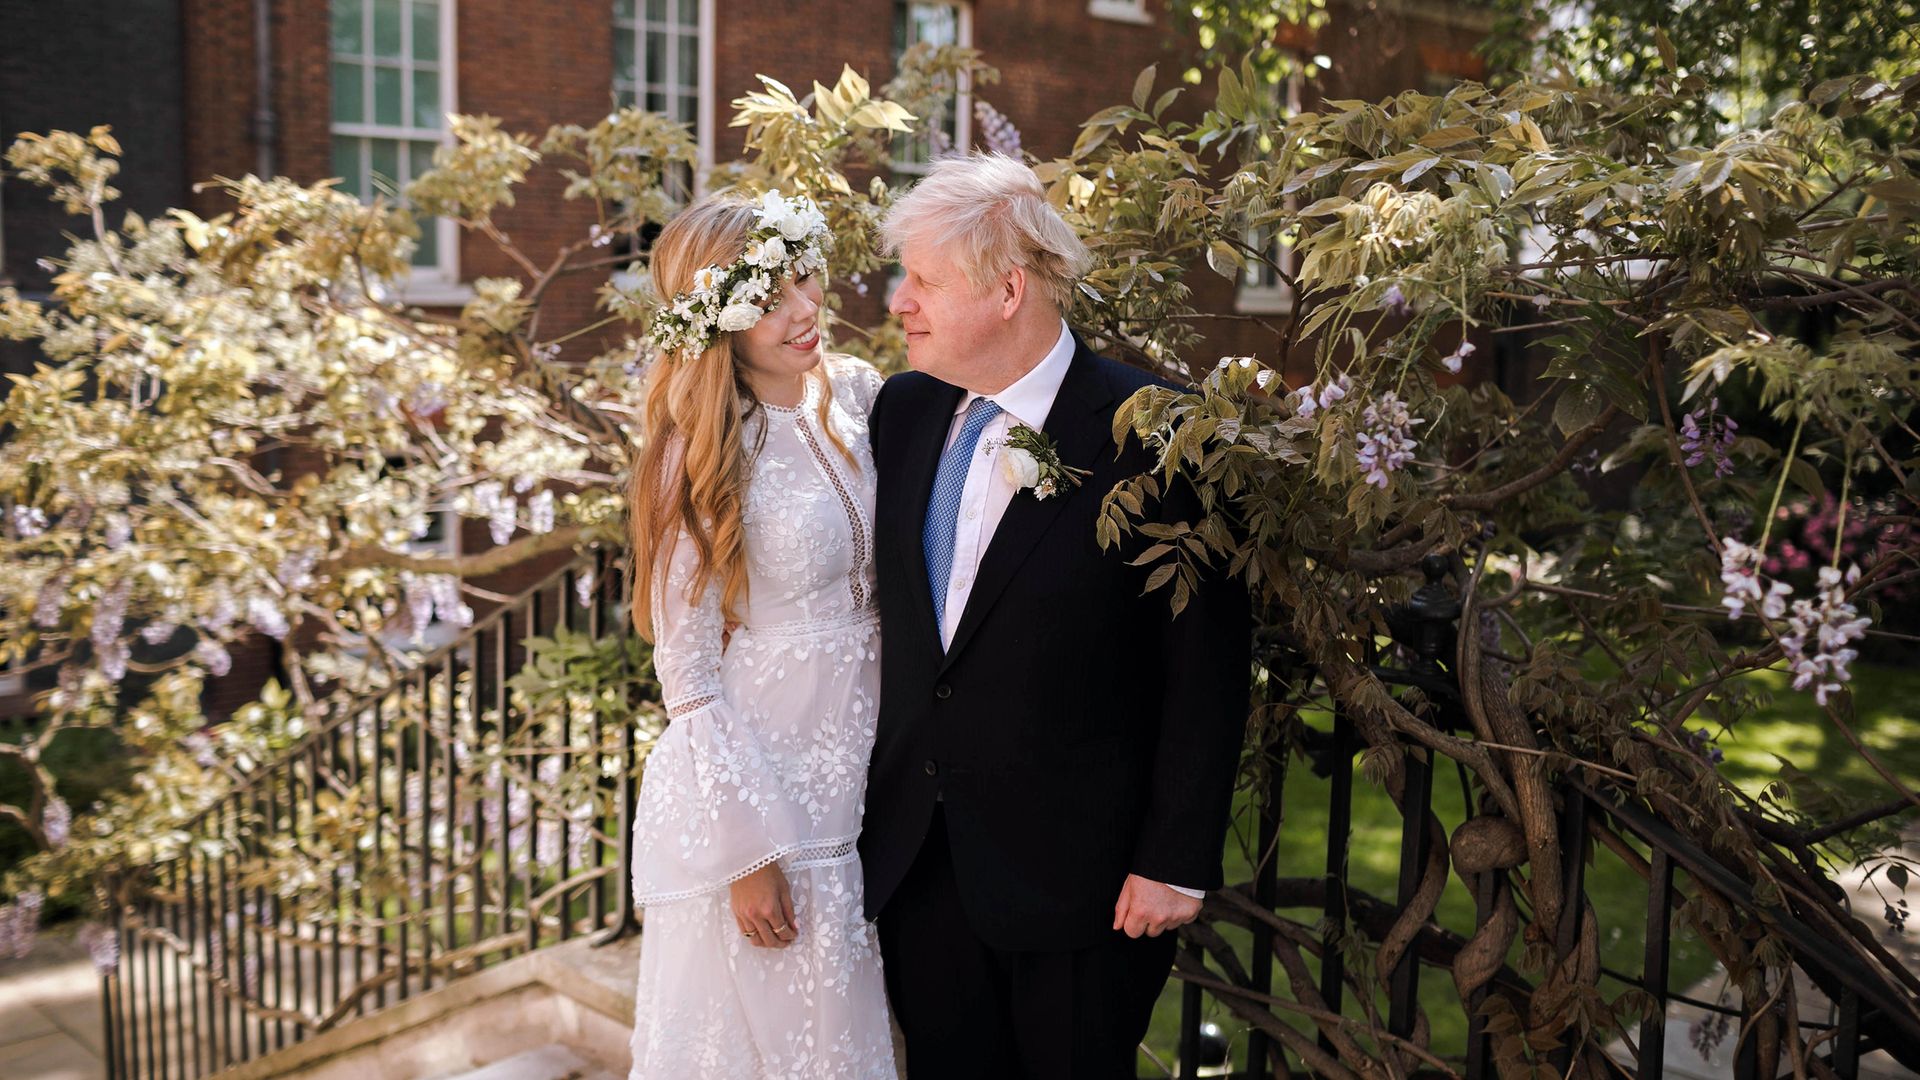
[(950, 325)]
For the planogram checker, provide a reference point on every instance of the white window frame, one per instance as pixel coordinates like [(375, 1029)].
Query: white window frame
[(1262, 292), (634, 83), (1125, 11), (962, 94), (440, 284)]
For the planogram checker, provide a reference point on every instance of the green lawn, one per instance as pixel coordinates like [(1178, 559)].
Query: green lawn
[(1887, 708)]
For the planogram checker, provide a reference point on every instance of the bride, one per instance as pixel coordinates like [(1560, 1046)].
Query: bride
[(752, 511)]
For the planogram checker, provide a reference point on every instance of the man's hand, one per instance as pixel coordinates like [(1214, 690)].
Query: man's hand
[(1150, 908)]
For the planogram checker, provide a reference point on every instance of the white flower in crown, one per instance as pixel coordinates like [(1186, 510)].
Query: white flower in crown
[(1029, 461), (768, 252), (739, 315), (789, 239)]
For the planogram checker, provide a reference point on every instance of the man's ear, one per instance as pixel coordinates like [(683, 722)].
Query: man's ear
[(1013, 292)]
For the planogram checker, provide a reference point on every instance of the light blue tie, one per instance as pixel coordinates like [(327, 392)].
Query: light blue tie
[(943, 507)]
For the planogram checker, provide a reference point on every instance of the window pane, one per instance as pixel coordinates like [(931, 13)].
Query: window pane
[(690, 13), (623, 55), (346, 27), (386, 29), (656, 71), (623, 9), (346, 165), (685, 112), (689, 74), (657, 10), (426, 30), (656, 101), (428, 253), (386, 96), (385, 160), (419, 159), (349, 94), (426, 99), (937, 24)]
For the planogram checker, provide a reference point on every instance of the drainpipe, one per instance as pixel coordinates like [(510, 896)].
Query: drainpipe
[(266, 122)]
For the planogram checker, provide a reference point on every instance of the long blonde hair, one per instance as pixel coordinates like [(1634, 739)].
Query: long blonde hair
[(692, 469)]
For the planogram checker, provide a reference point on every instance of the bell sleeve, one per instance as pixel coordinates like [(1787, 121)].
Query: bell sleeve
[(712, 805)]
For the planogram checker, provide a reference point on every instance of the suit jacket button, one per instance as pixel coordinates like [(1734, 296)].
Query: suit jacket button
[(943, 691), (933, 769)]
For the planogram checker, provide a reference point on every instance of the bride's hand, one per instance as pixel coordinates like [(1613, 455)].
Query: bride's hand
[(763, 908)]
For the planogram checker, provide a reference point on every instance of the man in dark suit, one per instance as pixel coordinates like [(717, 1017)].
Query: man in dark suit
[(1056, 751)]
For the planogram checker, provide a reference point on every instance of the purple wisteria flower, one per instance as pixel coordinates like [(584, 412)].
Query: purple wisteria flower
[(996, 131), (20, 923), (1715, 438), (1740, 575), (499, 508), (102, 945), (1703, 744), (1453, 360), (214, 656), (1385, 441), (447, 606), (583, 587), (52, 597), (266, 616), (1830, 623), (540, 511), (1320, 396), (1394, 302), (29, 521), (56, 821)]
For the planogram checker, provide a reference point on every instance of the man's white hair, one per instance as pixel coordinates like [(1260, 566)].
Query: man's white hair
[(989, 213)]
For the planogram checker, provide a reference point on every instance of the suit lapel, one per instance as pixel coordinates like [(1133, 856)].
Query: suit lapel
[(1078, 429), (918, 465)]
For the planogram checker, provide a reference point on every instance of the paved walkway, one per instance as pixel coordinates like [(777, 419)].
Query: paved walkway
[(50, 1013)]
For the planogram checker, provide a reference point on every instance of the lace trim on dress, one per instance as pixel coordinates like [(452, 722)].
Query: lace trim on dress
[(809, 853), (862, 535), (681, 708), (863, 619)]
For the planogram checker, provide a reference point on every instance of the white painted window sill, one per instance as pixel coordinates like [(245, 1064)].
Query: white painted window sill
[(431, 293), (1264, 301), (1120, 11)]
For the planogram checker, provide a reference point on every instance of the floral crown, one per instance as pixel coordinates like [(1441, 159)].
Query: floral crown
[(791, 237)]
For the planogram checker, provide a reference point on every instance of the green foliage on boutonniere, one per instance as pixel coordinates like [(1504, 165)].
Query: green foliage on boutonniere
[(1028, 459)]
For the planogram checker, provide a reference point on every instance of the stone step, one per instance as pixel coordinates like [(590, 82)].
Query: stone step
[(550, 1062)]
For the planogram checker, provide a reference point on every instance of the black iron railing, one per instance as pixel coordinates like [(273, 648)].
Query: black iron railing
[(445, 824), (417, 834), (1868, 1010)]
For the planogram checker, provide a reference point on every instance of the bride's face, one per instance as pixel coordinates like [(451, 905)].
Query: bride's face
[(785, 343)]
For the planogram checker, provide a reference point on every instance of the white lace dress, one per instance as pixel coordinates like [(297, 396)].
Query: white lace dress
[(765, 759)]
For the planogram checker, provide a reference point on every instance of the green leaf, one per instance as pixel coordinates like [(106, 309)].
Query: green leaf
[(1578, 407), (1160, 577), (1143, 86), (1226, 260)]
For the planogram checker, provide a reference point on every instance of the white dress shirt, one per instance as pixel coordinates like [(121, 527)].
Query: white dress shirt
[(987, 492)]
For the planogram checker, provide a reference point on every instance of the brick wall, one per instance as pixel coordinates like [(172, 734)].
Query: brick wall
[(189, 114), (70, 67)]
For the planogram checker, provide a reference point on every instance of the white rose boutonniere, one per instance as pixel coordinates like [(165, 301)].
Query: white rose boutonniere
[(1029, 461), (737, 317), (1021, 469)]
